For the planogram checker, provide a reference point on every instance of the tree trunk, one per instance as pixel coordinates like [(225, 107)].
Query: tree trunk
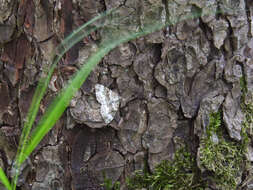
[(187, 86)]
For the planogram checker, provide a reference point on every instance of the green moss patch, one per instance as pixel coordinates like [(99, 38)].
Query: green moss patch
[(180, 174), (247, 107), (223, 158)]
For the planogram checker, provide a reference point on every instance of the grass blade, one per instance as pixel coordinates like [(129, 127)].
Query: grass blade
[(5, 180), (69, 42), (33, 110)]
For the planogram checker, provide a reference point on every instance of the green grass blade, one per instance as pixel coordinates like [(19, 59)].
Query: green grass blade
[(4, 180), (58, 106), (81, 32), (69, 42), (32, 112)]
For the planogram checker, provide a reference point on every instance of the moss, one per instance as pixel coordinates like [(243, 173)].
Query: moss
[(214, 126), (243, 85), (223, 159), (247, 108), (247, 130), (180, 174), (109, 185)]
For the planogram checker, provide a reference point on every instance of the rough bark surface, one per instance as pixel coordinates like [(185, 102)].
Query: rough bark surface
[(144, 100)]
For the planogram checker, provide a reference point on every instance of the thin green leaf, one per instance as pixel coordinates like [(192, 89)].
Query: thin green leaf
[(69, 42), (4, 180), (33, 110)]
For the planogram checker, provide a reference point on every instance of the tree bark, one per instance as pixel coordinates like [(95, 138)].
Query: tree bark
[(161, 90)]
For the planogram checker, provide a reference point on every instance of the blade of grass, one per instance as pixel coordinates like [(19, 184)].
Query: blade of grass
[(33, 109), (5, 180), (69, 42), (81, 32)]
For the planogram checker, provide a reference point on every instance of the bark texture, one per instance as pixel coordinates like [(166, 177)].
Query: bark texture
[(145, 99)]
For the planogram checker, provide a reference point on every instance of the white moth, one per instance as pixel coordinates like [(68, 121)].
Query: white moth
[(109, 101)]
